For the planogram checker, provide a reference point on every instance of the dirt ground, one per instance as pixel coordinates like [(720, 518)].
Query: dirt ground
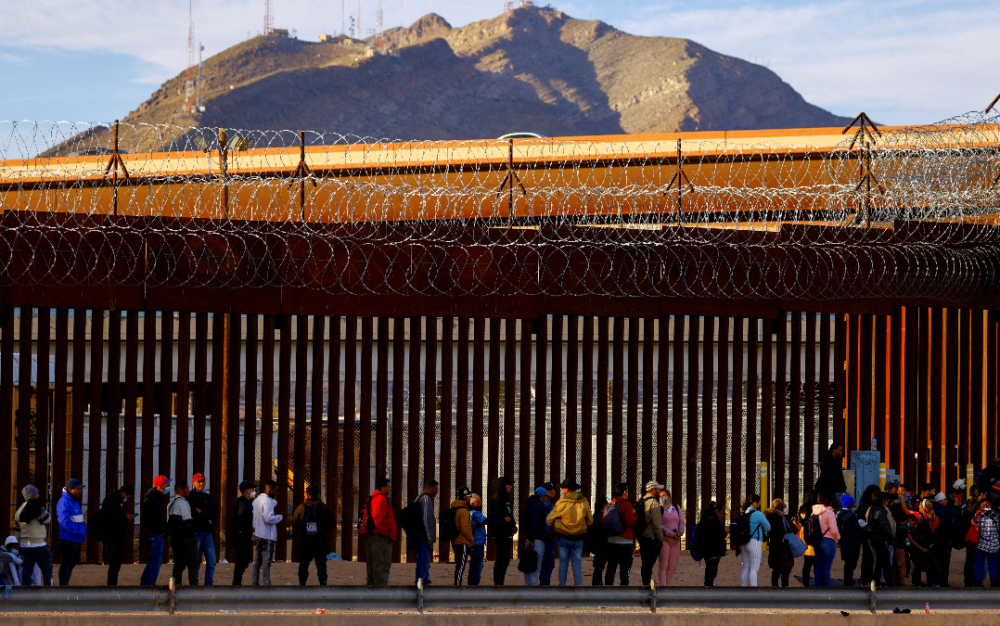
[(689, 573)]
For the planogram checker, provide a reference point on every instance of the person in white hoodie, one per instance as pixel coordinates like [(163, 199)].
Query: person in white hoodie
[(265, 532)]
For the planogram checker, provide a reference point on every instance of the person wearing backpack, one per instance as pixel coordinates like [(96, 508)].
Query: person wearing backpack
[(672, 523), (312, 520), (378, 527), (570, 519), (649, 530), (113, 529), (779, 554), (535, 531), (456, 527), (33, 524), (850, 538), (617, 519), (710, 540), (752, 528), (826, 548), (596, 543)]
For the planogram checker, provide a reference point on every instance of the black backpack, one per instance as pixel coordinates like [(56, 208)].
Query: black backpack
[(312, 521), (411, 518), (640, 517), (448, 525), (813, 531), (366, 523), (741, 531)]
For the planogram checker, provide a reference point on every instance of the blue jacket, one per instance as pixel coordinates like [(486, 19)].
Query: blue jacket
[(533, 520), (70, 516), (478, 527), (759, 526), (850, 534)]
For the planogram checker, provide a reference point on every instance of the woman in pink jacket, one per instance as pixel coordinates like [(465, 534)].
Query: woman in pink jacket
[(672, 523), (827, 548)]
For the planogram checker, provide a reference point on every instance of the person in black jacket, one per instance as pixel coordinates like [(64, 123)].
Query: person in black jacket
[(831, 471), (312, 520), (596, 542), (204, 511), (114, 530), (182, 537), (711, 540), (154, 521), (501, 526), (850, 538), (241, 530), (535, 531)]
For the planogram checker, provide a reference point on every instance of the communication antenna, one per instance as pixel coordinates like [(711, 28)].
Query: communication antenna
[(201, 77), (189, 78), (343, 18), (357, 24), (268, 16)]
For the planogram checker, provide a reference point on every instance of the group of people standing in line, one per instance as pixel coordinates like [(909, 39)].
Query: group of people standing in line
[(895, 535)]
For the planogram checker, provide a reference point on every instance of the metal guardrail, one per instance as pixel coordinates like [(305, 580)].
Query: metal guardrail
[(288, 598)]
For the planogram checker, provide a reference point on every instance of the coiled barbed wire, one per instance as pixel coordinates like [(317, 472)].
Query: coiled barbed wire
[(590, 217)]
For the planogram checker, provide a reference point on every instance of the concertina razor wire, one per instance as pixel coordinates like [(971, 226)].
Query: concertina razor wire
[(338, 212)]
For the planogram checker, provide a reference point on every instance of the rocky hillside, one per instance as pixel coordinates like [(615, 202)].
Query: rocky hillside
[(529, 69)]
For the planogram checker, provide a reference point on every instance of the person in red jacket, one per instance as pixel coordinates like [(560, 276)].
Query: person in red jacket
[(378, 525), (621, 548)]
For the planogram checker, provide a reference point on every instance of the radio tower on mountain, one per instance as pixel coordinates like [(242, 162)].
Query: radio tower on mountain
[(268, 17), (190, 78)]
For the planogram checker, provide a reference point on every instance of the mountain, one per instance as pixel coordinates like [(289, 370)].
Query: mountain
[(530, 69)]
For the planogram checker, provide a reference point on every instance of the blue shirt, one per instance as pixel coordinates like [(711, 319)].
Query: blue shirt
[(759, 525), (70, 516), (478, 527)]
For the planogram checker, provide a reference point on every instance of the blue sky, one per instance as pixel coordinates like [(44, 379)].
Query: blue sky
[(902, 61)]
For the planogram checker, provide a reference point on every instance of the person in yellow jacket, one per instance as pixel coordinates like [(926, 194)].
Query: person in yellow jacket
[(570, 519), (462, 543), (809, 558)]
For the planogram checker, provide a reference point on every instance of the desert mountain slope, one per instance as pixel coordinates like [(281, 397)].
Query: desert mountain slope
[(529, 69)]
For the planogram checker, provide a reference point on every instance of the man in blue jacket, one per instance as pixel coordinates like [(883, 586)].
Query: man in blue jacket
[(72, 528)]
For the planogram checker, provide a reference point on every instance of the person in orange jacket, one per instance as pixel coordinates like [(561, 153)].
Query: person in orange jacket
[(378, 525)]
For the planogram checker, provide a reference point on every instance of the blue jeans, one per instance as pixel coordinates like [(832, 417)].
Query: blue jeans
[(984, 561), (152, 571), (548, 563), (206, 546), (531, 578), (424, 555), (825, 552), (570, 550), (476, 564), (41, 556)]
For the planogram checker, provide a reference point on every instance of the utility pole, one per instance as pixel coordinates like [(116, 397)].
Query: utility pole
[(189, 78)]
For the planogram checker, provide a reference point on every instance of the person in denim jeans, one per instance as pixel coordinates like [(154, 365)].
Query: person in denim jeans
[(204, 512), (827, 548), (425, 540), (535, 531), (570, 519), (153, 513), (988, 548), (477, 552)]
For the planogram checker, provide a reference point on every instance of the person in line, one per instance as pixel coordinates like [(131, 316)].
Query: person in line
[(867, 556), (850, 538), (753, 550), (922, 536), (463, 541), (241, 530), (428, 536), (535, 530), (621, 547), (114, 530), (312, 520), (881, 532), (899, 544), (265, 532), (10, 563), (596, 543), (961, 529), (502, 527), (478, 550), (180, 523), (378, 527), (809, 556), (549, 561), (33, 521), (672, 523), (710, 538), (204, 511), (988, 548), (827, 549), (651, 537), (154, 518), (942, 550), (831, 471), (570, 519), (779, 553), (72, 528)]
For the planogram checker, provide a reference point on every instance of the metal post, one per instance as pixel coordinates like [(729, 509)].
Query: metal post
[(652, 595), (223, 138), (969, 477), (881, 476), (172, 605), (763, 481), (420, 596)]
